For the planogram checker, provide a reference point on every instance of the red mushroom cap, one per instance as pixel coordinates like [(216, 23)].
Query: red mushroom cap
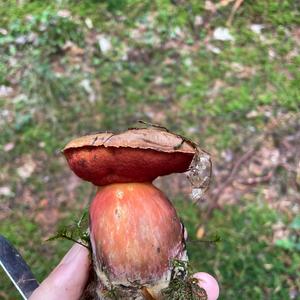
[(136, 155)]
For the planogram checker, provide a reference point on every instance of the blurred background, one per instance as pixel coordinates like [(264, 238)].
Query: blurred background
[(224, 73)]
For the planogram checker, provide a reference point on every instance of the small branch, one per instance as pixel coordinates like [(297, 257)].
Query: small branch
[(235, 7), (257, 180), (215, 197), (246, 156), (66, 237)]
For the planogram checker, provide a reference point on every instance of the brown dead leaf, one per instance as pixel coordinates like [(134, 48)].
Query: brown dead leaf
[(43, 203), (200, 232), (6, 191), (26, 170), (224, 2), (72, 48)]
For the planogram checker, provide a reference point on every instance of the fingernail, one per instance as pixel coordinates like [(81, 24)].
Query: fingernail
[(209, 283), (72, 254)]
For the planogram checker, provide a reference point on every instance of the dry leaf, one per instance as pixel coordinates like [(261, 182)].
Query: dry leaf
[(5, 191), (27, 169), (222, 34), (8, 147), (200, 232)]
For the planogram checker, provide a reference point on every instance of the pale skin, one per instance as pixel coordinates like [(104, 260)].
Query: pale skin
[(69, 278)]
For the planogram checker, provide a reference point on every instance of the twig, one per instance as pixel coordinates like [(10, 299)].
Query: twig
[(234, 9), (270, 129), (246, 156), (215, 197), (257, 180)]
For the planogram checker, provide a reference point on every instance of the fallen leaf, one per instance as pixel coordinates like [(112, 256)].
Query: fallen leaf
[(5, 191), (257, 28), (213, 49), (210, 6), (8, 147), (43, 203), (252, 114), (73, 49), (89, 23), (3, 31), (104, 43), (5, 91), (64, 13), (27, 169), (198, 21), (86, 84), (222, 34), (268, 267), (200, 232)]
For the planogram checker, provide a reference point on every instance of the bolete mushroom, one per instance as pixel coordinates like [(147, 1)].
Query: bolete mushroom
[(134, 229)]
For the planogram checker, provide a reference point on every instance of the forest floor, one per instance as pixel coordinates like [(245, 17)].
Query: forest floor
[(223, 73)]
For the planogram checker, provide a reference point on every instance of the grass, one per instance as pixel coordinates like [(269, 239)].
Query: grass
[(248, 77), (28, 238), (246, 262), (162, 68)]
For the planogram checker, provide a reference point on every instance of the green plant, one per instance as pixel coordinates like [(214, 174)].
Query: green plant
[(47, 31), (292, 242), (245, 261)]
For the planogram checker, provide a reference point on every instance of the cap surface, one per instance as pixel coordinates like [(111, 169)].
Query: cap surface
[(136, 155)]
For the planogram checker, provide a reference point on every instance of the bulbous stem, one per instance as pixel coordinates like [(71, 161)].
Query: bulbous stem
[(135, 236)]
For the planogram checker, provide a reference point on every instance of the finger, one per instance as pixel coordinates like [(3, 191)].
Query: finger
[(68, 279), (209, 283)]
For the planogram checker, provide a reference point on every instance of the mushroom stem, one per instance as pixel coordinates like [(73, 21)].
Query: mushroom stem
[(135, 235)]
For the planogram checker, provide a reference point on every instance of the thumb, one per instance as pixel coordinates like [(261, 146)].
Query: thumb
[(209, 283), (68, 279)]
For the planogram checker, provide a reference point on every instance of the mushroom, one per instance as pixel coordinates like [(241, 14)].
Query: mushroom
[(135, 232)]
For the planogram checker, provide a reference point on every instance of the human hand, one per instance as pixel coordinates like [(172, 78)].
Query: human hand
[(68, 280)]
